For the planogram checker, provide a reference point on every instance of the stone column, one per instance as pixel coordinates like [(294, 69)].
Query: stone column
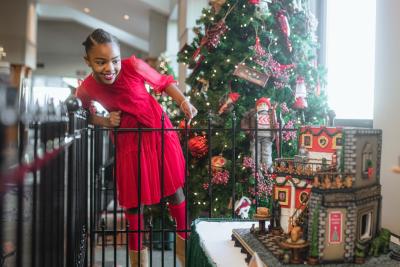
[(386, 106), (157, 33), (189, 11), (172, 44), (18, 23)]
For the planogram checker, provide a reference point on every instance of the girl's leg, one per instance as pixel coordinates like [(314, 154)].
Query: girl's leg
[(177, 209), (134, 215)]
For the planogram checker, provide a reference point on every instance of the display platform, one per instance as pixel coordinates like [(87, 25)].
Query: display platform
[(210, 243), (270, 252)]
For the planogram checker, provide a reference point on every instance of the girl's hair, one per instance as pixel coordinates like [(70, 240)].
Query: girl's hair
[(98, 36)]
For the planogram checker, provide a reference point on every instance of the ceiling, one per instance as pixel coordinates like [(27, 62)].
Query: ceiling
[(109, 15)]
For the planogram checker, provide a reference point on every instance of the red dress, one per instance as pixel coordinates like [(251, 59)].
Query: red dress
[(139, 109)]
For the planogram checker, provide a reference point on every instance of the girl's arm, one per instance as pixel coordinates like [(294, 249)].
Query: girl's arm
[(187, 108), (161, 83), (113, 120)]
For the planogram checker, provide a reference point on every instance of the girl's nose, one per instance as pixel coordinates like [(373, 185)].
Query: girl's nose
[(109, 67)]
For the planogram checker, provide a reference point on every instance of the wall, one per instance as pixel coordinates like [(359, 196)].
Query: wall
[(60, 48), (386, 106), (157, 35)]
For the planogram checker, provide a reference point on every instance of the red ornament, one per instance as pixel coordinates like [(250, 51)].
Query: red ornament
[(254, 2), (198, 146), (260, 51), (284, 25)]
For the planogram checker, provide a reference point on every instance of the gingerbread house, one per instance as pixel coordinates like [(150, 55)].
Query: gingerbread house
[(349, 212)]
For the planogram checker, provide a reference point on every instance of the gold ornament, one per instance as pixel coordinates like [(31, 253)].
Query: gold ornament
[(217, 5), (218, 163)]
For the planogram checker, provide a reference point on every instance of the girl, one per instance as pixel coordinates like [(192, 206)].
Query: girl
[(119, 85)]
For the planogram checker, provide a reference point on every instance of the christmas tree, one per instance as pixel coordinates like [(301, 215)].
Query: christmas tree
[(247, 51), (163, 66)]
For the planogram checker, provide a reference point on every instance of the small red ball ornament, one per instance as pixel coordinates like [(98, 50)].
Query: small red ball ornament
[(198, 146)]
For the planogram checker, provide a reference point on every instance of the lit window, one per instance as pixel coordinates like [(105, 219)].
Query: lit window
[(350, 57), (366, 159), (365, 226)]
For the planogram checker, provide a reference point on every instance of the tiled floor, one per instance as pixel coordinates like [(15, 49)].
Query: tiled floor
[(121, 258)]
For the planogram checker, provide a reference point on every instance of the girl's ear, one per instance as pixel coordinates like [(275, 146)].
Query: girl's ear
[(86, 60)]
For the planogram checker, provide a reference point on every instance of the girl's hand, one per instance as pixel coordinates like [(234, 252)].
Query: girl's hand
[(189, 110), (114, 119)]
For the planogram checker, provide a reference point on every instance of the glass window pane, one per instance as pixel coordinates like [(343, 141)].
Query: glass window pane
[(351, 57)]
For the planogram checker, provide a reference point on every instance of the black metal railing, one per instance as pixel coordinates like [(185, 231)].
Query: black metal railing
[(43, 192), (61, 191)]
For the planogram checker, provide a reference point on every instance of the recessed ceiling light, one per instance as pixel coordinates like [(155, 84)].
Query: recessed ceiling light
[(126, 17), (86, 10)]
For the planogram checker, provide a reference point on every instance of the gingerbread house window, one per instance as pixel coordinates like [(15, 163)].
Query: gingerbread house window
[(366, 159), (307, 140), (365, 226), (337, 141)]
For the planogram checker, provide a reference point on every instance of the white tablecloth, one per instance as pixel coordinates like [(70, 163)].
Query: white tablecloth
[(216, 240)]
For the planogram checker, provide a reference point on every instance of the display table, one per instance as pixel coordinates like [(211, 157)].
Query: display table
[(211, 245), (295, 248)]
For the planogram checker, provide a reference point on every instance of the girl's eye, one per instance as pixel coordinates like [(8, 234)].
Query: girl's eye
[(99, 62), (115, 61)]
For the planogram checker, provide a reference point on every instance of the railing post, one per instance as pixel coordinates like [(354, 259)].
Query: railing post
[(210, 192), (233, 162)]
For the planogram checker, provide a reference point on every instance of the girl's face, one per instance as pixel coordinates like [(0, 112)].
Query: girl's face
[(105, 62)]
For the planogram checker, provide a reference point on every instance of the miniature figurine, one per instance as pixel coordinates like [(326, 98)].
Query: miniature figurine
[(348, 182), (253, 228), (338, 182), (276, 214), (309, 170), (290, 169), (242, 207), (299, 169), (327, 182), (265, 117), (295, 233)]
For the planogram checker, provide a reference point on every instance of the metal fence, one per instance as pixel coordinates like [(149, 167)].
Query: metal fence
[(58, 202), (43, 189)]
